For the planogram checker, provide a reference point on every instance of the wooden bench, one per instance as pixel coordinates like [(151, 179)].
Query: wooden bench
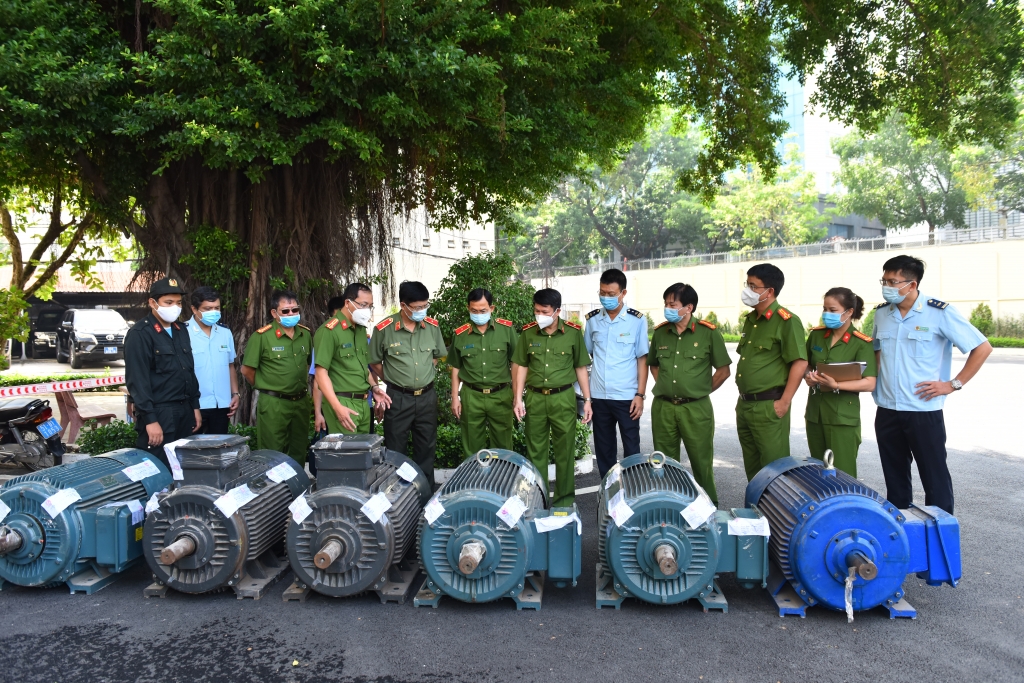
[(71, 420)]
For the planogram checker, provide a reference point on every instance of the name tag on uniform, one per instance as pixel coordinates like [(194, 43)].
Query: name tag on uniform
[(921, 329), (626, 334), (817, 348), (663, 348), (535, 344), (394, 344), (277, 348), (347, 346), (223, 347), (468, 346)]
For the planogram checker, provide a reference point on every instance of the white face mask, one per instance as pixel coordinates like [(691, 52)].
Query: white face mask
[(168, 313), (749, 297), (361, 316), (544, 321)]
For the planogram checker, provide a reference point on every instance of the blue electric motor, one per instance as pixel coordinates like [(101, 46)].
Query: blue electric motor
[(836, 542), (647, 550), (80, 523), (487, 534)]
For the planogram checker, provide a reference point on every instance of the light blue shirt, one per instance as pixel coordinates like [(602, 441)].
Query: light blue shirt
[(614, 346), (213, 357), (918, 348)]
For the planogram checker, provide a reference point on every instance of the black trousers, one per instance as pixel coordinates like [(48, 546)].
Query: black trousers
[(904, 436), (177, 419), (215, 421), (416, 415), (607, 414)]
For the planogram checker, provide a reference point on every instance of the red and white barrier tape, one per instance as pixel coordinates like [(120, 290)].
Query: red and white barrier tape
[(70, 385)]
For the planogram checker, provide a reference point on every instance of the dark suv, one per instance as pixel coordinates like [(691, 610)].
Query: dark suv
[(44, 333), (87, 335)]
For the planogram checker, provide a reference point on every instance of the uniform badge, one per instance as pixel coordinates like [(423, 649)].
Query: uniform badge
[(462, 329), (347, 346), (263, 329), (663, 348), (277, 348), (332, 323), (156, 326), (573, 325), (502, 321), (278, 332), (172, 282), (784, 314), (705, 323), (383, 323)]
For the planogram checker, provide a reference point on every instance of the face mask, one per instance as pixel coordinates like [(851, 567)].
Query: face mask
[(672, 315), (361, 316), (210, 318), (749, 297), (544, 321), (892, 294), (418, 316), (289, 320), (610, 303), (833, 321), (168, 313), (480, 318)]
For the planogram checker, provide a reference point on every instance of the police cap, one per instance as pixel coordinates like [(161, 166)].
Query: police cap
[(168, 285)]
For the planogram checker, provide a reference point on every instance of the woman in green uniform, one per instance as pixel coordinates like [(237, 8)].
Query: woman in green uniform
[(833, 408)]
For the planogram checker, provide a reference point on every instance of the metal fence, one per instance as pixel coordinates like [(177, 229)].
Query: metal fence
[(890, 242)]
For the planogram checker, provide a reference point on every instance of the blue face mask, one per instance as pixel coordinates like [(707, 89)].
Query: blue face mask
[(672, 315), (833, 321), (892, 294), (289, 320), (480, 318), (210, 317), (418, 316), (610, 303)]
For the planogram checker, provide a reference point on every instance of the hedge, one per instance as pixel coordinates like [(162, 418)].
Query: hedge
[(16, 380), (1006, 342)]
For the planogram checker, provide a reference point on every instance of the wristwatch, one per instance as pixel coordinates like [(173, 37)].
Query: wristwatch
[(956, 384), (639, 395)]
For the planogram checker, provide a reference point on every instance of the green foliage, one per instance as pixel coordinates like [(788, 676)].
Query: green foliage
[(218, 259), (513, 299), (243, 430), (1009, 326), (106, 438), (16, 380), (867, 325), (730, 337), (14, 322), (981, 317), (1007, 342)]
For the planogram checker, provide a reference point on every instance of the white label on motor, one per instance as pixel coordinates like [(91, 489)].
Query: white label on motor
[(526, 472), (546, 524), (749, 527), (133, 505), (229, 503), (281, 472), (55, 504), (698, 512), (613, 476), (152, 504), (172, 459), (140, 471), (4, 510), (407, 472), (433, 510), (300, 509), (619, 510), (512, 510), (375, 508)]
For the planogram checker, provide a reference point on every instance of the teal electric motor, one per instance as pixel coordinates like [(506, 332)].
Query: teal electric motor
[(80, 523)]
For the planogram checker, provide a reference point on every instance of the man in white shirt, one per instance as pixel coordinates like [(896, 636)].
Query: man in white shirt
[(213, 348)]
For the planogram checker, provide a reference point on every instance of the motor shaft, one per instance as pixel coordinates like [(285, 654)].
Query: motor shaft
[(182, 547), (328, 554), (865, 568), (665, 555), (470, 556), (9, 541)]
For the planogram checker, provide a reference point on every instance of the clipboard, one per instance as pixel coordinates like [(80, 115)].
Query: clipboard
[(843, 372)]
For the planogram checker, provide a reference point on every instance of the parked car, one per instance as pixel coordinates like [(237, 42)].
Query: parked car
[(44, 333), (89, 335)]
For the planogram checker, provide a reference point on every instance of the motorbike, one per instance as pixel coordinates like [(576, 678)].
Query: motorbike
[(29, 436)]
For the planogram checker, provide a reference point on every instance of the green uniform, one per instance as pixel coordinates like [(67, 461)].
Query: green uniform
[(342, 348), (833, 419), (551, 361), (408, 360), (282, 373), (486, 393), (682, 405), (769, 344)]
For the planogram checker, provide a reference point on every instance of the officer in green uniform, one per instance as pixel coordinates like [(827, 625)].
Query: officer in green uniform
[(404, 352), (481, 352), (773, 359), (341, 352), (833, 408), (683, 352), (549, 357), (276, 363)]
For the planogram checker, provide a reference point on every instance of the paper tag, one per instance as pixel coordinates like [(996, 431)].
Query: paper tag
[(407, 472), (698, 512), (281, 473), (526, 472), (546, 524), (135, 506), (749, 527), (512, 510), (144, 469), (55, 504), (613, 476), (4, 510), (375, 508), (619, 510), (300, 509), (152, 504), (172, 459), (229, 503), (433, 510)]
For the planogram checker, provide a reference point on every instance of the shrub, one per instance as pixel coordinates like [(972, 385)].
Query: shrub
[(513, 299), (16, 380), (106, 438), (867, 323), (1009, 326), (981, 318)]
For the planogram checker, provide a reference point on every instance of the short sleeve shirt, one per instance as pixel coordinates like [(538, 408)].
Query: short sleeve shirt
[(281, 362), (551, 359), (685, 361), (213, 357), (769, 343), (408, 357), (918, 348), (483, 359), (341, 347), (614, 345), (828, 407)]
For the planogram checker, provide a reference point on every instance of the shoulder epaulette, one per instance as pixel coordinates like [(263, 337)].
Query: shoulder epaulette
[(635, 313), (502, 321), (593, 313), (935, 303), (705, 323), (383, 323), (303, 327), (573, 325), (462, 329), (783, 313), (661, 324), (529, 325), (432, 321), (333, 322), (861, 335), (882, 305), (263, 329), (819, 327)]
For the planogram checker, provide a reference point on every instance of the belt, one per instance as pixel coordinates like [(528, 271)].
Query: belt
[(287, 397), (546, 392), (770, 395), (414, 392), (352, 394), (679, 401), (483, 390)]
